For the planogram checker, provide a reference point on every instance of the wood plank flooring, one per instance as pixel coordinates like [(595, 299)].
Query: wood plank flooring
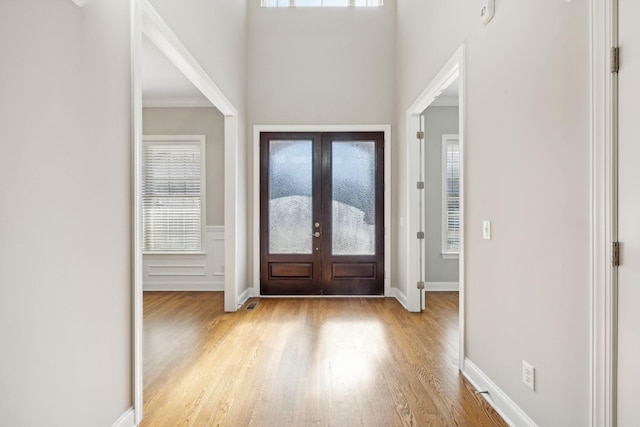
[(305, 362)]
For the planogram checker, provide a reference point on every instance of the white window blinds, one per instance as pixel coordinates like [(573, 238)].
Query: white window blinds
[(321, 3), (172, 193), (450, 194)]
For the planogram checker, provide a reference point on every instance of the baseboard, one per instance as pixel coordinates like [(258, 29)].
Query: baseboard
[(441, 286), (182, 286), (401, 297), (507, 408), (244, 296), (126, 420)]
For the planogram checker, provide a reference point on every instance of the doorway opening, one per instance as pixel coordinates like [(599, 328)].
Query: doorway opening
[(148, 26), (446, 90), (322, 213), (439, 207)]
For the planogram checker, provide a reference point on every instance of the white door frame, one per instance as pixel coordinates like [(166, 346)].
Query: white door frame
[(453, 69), (145, 20), (603, 173), (257, 129)]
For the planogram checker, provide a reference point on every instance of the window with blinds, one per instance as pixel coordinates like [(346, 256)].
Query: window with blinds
[(172, 193), (450, 195), (321, 3)]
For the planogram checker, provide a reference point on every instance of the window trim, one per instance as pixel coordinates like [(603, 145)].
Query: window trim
[(186, 139), (446, 252)]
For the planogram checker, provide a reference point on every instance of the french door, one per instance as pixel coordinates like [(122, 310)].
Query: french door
[(322, 213)]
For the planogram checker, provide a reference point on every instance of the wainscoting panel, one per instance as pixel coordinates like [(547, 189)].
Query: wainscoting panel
[(189, 272)]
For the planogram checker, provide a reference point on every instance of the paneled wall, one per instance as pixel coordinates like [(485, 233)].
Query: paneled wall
[(198, 272)]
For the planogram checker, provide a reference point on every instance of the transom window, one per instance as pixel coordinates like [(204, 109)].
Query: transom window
[(321, 3)]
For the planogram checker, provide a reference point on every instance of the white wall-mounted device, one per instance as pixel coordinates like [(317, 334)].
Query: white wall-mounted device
[(487, 10), (486, 230)]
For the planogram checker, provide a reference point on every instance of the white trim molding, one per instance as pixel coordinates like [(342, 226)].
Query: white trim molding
[(400, 296), (498, 399), (603, 15), (445, 101), (176, 102), (442, 286), (206, 286), (244, 296), (81, 3), (136, 217), (189, 272), (126, 420)]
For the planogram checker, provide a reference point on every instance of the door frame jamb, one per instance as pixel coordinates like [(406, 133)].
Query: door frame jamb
[(603, 171)]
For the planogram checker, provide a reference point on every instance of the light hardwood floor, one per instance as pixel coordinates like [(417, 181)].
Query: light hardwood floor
[(305, 362)]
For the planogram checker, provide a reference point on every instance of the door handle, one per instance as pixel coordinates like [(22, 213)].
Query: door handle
[(316, 234)]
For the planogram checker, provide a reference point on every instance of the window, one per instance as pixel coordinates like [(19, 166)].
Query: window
[(450, 196), (172, 193), (321, 3)]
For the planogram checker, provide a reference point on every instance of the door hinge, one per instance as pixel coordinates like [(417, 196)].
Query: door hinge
[(420, 285), (420, 235), (420, 185), (615, 254), (615, 59), (420, 134)]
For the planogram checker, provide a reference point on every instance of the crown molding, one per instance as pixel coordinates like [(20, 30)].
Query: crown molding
[(445, 101), (176, 102), (81, 3)]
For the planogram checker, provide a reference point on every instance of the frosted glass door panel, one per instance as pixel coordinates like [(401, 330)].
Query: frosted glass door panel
[(290, 197), (353, 178)]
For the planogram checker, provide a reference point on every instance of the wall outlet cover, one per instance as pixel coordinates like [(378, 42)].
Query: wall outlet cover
[(528, 375)]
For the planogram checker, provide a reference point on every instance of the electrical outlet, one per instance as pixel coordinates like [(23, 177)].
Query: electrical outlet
[(528, 375)]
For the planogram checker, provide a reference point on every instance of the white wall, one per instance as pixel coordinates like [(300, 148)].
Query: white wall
[(527, 170), (215, 32), (321, 66), (196, 121), (437, 121), (65, 213)]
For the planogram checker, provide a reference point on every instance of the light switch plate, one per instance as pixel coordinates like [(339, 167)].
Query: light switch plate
[(487, 10), (486, 230)]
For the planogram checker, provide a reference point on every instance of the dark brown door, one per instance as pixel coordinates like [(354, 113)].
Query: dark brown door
[(322, 213)]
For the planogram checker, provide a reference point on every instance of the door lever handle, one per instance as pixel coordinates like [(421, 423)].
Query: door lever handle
[(316, 234)]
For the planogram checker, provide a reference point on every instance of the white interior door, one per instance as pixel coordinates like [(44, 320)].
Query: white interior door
[(629, 215)]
